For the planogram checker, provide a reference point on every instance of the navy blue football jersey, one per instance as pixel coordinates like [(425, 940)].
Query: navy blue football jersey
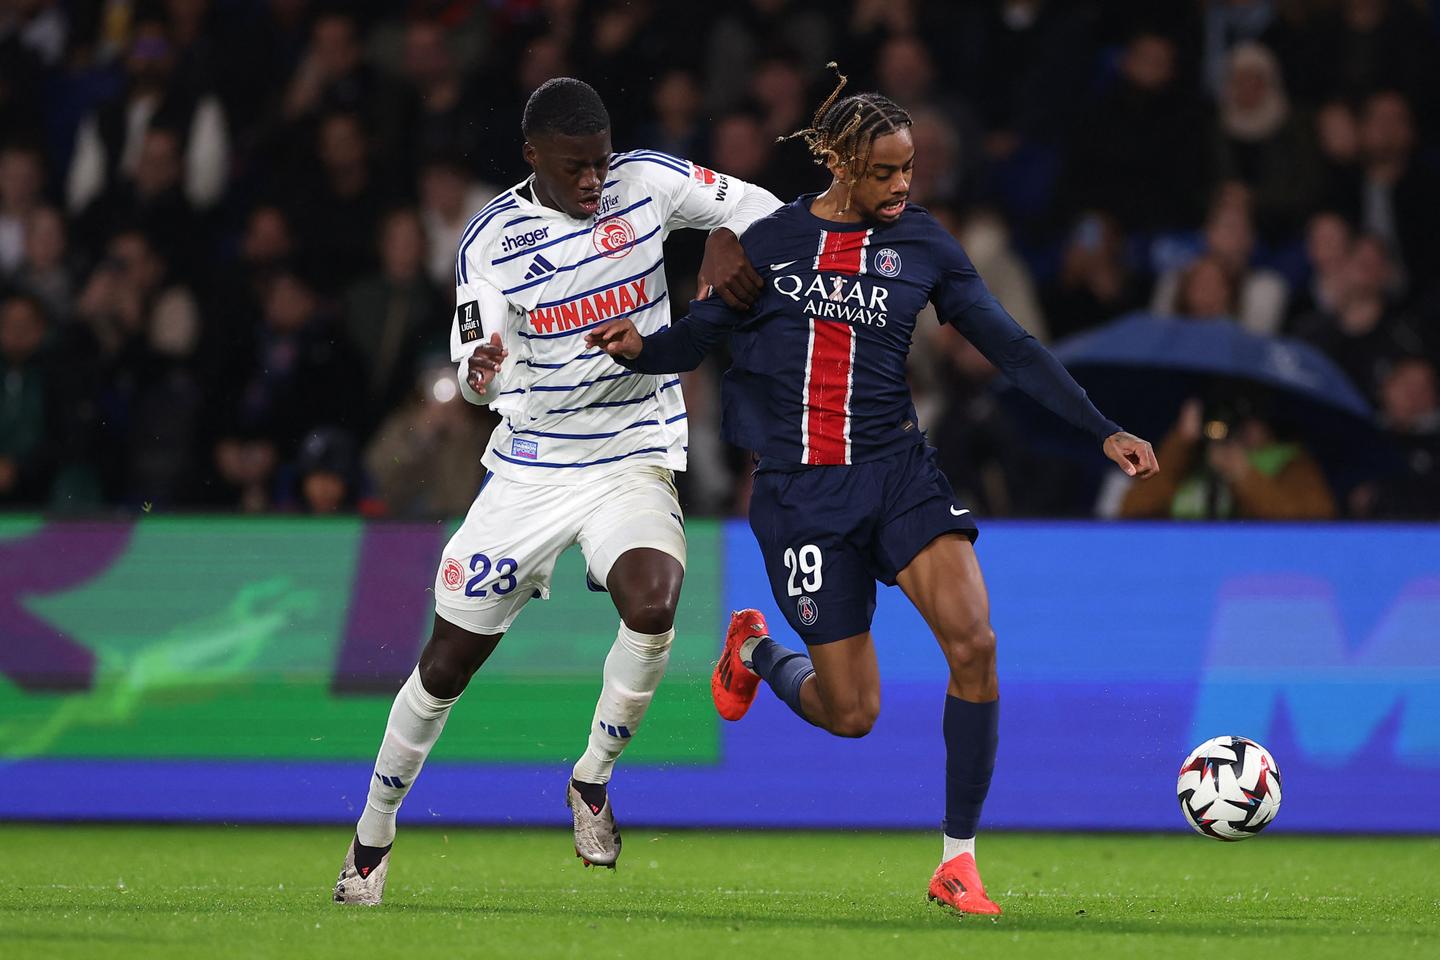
[(819, 366)]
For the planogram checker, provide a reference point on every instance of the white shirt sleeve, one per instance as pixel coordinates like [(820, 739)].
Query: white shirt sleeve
[(699, 197), (481, 310), (86, 179)]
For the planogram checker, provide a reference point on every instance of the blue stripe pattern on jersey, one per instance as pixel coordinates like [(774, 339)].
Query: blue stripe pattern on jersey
[(461, 272), (467, 234), (512, 223), (604, 286), (569, 236), (652, 156), (619, 316), (588, 436), (566, 387), (556, 366), (678, 417), (600, 404), (580, 263), (583, 463)]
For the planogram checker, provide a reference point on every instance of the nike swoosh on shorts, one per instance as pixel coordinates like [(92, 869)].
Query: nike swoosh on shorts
[(958, 513)]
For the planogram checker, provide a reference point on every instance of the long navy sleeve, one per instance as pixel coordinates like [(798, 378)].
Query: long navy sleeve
[(682, 345), (1031, 367)]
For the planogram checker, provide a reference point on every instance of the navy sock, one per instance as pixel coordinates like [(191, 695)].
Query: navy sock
[(785, 670), (971, 735)]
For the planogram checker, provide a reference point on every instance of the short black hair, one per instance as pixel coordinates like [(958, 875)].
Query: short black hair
[(566, 106)]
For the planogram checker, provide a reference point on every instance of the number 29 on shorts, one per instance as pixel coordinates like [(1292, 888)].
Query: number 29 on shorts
[(806, 564)]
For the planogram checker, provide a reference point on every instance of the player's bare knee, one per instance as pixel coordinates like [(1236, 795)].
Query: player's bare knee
[(653, 613), (855, 722), (970, 648)]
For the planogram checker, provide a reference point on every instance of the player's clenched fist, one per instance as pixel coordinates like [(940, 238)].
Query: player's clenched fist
[(619, 338), (485, 363)]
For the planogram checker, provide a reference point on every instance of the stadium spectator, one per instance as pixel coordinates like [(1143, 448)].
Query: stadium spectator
[(742, 30), (109, 144), (326, 472), (677, 128), (299, 376), (1096, 282), (1363, 328), (1327, 250), (1259, 294), (47, 271), (336, 214), (27, 404), (22, 182), (152, 201), (425, 458), (1394, 196), (440, 112), (1263, 144), (1233, 467), (986, 238), (1204, 290), (449, 198), (1140, 149), (393, 317), (1410, 414)]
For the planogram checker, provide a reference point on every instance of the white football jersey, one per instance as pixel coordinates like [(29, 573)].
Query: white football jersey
[(541, 279)]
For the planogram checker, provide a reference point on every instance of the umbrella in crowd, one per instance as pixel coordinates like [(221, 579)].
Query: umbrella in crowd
[(1140, 369)]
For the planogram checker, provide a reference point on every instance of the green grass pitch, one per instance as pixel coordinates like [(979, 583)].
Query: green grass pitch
[(251, 892)]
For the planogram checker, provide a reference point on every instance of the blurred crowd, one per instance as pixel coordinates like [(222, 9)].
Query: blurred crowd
[(227, 227)]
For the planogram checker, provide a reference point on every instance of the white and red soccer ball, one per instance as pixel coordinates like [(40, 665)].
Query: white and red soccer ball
[(1229, 788)]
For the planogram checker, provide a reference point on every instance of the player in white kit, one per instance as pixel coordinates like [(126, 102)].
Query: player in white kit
[(576, 244)]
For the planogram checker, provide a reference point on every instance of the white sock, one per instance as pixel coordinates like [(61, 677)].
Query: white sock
[(632, 672), (955, 846), (747, 651), (415, 723)]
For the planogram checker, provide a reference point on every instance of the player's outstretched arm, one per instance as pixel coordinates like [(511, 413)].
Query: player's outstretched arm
[(677, 348)]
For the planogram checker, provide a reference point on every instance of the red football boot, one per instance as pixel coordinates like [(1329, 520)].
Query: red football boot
[(732, 685), (957, 885)]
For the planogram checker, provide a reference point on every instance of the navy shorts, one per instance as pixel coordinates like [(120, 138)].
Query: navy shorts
[(828, 533)]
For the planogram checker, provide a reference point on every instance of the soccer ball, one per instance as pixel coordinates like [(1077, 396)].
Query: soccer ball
[(1229, 788)]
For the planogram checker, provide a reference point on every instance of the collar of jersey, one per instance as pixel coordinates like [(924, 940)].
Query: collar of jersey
[(802, 204), (539, 209)]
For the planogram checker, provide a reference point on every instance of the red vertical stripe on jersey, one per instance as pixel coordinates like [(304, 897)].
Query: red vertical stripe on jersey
[(827, 392), (843, 252)]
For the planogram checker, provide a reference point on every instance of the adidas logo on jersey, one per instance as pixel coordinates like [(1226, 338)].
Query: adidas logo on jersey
[(538, 268)]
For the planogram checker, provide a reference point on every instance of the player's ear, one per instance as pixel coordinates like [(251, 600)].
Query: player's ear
[(528, 152)]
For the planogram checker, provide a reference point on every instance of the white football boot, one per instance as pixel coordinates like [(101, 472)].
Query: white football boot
[(367, 890), (597, 838)]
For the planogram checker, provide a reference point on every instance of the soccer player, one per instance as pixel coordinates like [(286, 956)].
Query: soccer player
[(577, 243), (846, 492)]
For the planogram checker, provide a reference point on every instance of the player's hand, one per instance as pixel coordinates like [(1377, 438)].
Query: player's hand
[(485, 363), (619, 338), (1132, 454), (728, 272)]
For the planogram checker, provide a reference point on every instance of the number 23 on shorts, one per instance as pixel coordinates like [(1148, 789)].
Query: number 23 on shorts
[(806, 564), (481, 566)]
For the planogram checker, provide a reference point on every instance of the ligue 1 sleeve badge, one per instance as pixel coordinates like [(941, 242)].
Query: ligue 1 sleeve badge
[(808, 611), (887, 262)]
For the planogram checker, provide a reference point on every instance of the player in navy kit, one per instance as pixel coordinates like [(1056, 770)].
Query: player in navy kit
[(846, 492)]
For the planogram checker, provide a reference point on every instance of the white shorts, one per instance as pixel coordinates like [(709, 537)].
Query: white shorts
[(504, 553)]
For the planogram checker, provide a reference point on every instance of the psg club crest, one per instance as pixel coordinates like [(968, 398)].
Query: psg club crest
[(808, 611), (613, 237), (453, 574), (887, 262)]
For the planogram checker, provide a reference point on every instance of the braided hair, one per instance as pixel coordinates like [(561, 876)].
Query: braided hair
[(844, 130)]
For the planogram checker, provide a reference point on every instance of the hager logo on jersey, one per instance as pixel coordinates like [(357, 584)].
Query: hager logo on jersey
[(522, 240)]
